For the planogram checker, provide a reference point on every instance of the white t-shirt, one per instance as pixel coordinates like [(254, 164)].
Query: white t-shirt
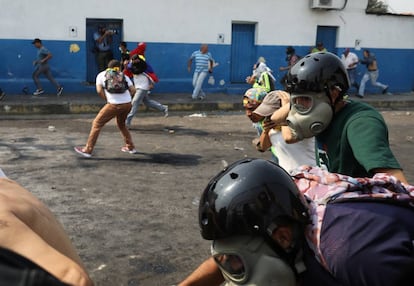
[(114, 98), (293, 155), (350, 59), (141, 81)]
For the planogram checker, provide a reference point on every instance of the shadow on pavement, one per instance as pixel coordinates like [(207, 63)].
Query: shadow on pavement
[(158, 158)]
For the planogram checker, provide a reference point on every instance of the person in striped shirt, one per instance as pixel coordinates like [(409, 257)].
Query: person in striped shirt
[(203, 65)]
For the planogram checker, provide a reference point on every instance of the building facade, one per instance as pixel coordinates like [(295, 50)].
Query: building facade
[(237, 32)]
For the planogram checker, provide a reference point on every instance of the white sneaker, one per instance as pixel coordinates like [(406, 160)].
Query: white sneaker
[(81, 151), (38, 92), (130, 151), (165, 110)]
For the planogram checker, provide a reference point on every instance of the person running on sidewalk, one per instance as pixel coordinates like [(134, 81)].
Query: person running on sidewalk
[(372, 74), (350, 61), (41, 65), (118, 105), (203, 65), (153, 79), (143, 84)]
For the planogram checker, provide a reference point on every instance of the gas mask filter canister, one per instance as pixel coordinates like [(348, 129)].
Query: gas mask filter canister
[(309, 115), (248, 260)]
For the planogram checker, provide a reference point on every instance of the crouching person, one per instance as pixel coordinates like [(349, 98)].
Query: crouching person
[(311, 228)]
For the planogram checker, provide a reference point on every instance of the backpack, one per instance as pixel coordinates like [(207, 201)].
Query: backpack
[(115, 81)]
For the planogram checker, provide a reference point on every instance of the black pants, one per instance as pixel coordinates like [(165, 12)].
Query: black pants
[(102, 59)]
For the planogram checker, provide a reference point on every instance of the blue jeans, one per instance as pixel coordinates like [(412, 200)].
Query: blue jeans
[(198, 79), (352, 77), (150, 103), (141, 96), (370, 75)]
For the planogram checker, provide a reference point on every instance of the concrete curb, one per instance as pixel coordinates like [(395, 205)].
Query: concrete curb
[(91, 104)]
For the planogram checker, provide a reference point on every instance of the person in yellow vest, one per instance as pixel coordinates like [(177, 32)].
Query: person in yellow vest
[(319, 48)]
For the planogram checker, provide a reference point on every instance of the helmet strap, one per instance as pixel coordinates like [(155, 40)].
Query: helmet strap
[(338, 99)]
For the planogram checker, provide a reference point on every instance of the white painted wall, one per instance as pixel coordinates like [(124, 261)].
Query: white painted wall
[(280, 22)]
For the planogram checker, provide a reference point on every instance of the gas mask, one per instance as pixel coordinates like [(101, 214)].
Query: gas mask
[(248, 260), (309, 115)]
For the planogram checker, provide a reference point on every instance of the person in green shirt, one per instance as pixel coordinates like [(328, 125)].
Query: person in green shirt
[(318, 48), (353, 136)]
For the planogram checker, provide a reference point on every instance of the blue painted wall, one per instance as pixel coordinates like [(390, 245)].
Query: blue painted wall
[(170, 62)]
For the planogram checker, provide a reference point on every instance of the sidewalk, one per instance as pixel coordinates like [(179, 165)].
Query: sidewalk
[(91, 103)]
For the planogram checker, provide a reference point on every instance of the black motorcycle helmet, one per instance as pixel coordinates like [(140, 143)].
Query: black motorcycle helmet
[(248, 197), (318, 72)]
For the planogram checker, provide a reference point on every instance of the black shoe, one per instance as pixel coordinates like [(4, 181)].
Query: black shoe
[(385, 90), (358, 95), (2, 95)]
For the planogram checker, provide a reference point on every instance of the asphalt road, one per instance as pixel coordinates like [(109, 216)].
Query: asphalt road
[(133, 218)]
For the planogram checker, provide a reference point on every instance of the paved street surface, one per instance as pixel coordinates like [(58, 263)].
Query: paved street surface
[(134, 218)]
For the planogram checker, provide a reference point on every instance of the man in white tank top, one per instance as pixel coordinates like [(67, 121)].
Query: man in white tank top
[(290, 156)]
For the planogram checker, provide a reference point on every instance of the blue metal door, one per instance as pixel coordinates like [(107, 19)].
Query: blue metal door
[(91, 27), (243, 52), (327, 35)]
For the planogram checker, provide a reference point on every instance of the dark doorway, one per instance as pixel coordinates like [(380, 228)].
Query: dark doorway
[(327, 35), (91, 27)]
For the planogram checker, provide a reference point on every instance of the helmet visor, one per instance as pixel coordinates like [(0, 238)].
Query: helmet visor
[(232, 264), (302, 103)]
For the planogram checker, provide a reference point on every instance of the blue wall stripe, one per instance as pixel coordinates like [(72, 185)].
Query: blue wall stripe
[(170, 62)]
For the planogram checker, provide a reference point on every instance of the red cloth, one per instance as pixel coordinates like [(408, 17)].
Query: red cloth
[(152, 76), (140, 49), (128, 73)]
